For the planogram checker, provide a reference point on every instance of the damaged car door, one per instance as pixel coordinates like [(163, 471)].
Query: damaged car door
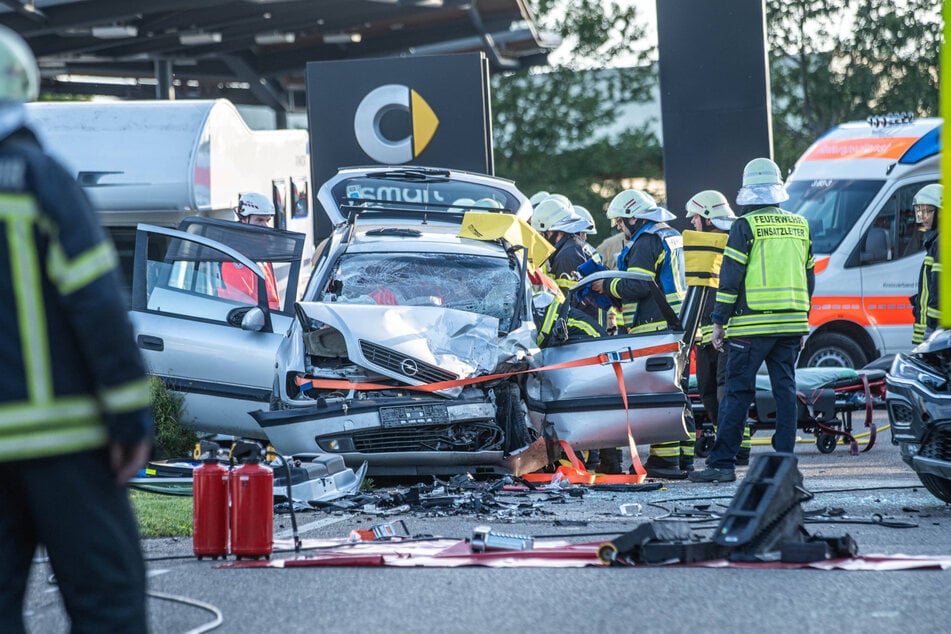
[(633, 384), (210, 305)]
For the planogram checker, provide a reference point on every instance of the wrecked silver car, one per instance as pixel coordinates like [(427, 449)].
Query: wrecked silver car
[(413, 346)]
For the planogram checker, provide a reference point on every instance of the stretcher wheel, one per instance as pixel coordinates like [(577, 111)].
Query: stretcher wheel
[(703, 446), (825, 443)]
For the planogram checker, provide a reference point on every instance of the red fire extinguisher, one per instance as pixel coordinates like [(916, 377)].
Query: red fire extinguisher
[(210, 506), (252, 504)]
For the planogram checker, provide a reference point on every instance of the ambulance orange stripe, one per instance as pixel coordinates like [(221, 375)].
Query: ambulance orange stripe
[(881, 148), (881, 310)]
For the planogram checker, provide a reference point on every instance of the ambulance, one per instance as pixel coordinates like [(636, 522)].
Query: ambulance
[(855, 186)]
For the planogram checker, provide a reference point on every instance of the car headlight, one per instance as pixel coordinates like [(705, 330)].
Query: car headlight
[(930, 380)]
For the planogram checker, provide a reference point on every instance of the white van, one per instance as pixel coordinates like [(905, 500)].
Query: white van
[(161, 161), (855, 186)]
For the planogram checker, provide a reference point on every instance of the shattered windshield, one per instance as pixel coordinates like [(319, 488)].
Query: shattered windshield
[(475, 284), (832, 207)]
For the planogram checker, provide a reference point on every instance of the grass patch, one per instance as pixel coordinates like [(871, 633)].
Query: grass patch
[(162, 515)]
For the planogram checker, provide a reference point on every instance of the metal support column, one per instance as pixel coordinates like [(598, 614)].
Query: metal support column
[(163, 80)]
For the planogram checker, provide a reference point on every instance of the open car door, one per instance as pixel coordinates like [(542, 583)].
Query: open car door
[(210, 304), (585, 405)]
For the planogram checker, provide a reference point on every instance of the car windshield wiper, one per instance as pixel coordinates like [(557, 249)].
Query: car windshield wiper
[(418, 175)]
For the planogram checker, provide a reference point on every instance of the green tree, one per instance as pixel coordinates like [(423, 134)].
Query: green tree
[(549, 123), (823, 73)]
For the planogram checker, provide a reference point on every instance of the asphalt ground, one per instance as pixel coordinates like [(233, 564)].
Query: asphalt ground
[(592, 599)]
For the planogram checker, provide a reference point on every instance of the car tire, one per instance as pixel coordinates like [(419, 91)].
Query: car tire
[(832, 349), (938, 487)]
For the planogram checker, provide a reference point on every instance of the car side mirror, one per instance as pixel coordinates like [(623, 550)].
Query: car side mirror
[(877, 247), (253, 320)]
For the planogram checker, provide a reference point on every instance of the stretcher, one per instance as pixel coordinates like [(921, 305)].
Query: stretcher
[(827, 399)]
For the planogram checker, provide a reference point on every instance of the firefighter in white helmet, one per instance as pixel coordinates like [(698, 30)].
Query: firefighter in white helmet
[(75, 421), (761, 314), (656, 250), (709, 211), (240, 283), (924, 303)]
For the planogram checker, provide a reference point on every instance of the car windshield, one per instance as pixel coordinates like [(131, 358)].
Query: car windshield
[(475, 284), (832, 207)]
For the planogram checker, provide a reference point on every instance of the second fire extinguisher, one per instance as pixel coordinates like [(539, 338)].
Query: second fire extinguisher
[(252, 504)]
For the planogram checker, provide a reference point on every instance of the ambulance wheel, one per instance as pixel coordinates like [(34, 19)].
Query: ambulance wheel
[(832, 349), (825, 443), (703, 447)]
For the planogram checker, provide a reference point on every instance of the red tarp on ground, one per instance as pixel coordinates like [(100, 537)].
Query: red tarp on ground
[(450, 553)]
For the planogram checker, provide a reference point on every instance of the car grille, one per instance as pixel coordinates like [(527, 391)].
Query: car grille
[(938, 446), (397, 362), (480, 436)]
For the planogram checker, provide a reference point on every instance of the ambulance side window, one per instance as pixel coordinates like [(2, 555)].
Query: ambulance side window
[(893, 234)]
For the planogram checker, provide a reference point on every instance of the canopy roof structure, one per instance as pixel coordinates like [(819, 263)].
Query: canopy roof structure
[(254, 51)]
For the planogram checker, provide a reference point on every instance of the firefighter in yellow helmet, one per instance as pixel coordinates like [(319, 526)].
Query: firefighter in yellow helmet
[(762, 313), (924, 303), (656, 249)]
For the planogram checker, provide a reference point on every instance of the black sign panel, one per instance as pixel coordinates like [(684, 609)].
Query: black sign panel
[(714, 86), (426, 110)]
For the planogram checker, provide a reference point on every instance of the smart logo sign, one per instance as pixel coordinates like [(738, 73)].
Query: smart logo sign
[(387, 99), (425, 110)]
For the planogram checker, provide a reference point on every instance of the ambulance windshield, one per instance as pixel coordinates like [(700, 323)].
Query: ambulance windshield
[(832, 207)]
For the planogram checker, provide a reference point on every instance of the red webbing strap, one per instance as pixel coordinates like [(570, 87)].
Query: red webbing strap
[(632, 446), (626, 355)]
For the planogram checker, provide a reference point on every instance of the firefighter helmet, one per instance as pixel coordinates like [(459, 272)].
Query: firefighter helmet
[(19, 74), (586, 215), (254, 204), (554, 215), (762, 184), (637, 204)]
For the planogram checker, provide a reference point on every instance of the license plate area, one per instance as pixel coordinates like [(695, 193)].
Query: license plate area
[(414, 415)]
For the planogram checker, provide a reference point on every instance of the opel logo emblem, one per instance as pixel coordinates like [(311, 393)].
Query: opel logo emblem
[(409, 367)]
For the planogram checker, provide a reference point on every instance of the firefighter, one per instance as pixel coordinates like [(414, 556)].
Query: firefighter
[(762, 313), (654, 248), (75, 423), (924, 303), (564, 229), (709, 211), (239, 283)]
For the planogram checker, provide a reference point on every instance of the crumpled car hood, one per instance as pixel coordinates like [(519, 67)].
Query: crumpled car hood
[(461, 343)]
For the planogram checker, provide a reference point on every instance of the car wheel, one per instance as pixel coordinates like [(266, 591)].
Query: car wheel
[(938, 487), (832, 349), (825, 443)]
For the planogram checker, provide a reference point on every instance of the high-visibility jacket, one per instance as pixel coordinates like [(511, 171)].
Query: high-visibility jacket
[(72, 376), (578, 324), (924, 303), (703, 258), (240, 284), (767, 278), (657, 250)]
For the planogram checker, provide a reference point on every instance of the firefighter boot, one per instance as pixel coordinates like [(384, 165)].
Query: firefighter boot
[(664, 462)]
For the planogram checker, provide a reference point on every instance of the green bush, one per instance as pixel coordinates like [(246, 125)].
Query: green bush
[(171, 439)]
